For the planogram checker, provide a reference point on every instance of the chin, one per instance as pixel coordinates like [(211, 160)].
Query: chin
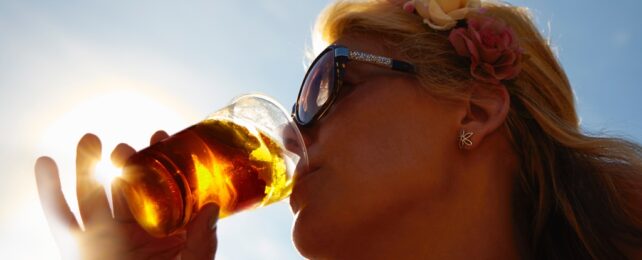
[(313, 238)]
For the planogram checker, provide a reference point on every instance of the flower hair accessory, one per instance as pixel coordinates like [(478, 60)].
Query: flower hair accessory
[(490, 44), (442, 14), (492, 47)]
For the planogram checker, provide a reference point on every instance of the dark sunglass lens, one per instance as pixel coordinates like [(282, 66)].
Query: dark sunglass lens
[(317, 88)]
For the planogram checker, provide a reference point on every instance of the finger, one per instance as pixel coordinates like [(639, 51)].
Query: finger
[(201, 234), (161, 248), (172, 253), (121, 208), (120, 154), (92, 200), (52, 199), (158, 136), (118, 157)]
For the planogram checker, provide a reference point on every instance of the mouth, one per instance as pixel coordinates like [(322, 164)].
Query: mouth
[(302, 171), (301, 174)]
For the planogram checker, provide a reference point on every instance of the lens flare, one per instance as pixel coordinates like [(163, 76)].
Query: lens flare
[(106, 172)]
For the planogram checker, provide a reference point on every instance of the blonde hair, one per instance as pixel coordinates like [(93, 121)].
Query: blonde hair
[(574, 196)]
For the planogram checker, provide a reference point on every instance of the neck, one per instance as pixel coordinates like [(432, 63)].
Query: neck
[(441, 234)]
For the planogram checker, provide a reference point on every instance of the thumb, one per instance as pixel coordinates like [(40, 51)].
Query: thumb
[(201, 233), (205, 219)]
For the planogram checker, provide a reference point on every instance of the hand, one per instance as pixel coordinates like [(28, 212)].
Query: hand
[(118, 237)]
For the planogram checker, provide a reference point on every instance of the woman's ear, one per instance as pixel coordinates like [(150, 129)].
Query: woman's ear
[(487, 107)]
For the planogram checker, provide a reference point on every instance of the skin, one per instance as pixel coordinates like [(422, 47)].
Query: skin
[(387, 179), (117, 237)]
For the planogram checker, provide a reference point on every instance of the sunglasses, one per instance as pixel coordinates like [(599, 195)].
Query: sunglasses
[(323, 81)]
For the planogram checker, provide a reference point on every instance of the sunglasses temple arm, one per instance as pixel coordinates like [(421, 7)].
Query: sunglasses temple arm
[(403, 66)]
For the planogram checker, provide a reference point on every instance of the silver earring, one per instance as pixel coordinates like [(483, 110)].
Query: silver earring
[(464, 139)]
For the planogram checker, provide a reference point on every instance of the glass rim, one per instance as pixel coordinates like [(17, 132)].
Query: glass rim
[(288, 115)]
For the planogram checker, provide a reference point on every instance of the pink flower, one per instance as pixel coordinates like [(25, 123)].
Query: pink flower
[(493, 49), (409, 7)]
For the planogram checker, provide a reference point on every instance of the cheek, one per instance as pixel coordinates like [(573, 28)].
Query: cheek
[(390, 131), (400, 161), (384, 154), (389, 148)]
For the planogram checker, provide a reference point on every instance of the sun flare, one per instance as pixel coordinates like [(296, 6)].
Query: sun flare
[(106, 172), (123, 116)]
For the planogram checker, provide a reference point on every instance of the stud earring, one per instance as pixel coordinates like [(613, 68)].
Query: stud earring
[(464, 139)]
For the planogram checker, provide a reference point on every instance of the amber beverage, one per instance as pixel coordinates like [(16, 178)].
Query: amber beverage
[(234, 158)]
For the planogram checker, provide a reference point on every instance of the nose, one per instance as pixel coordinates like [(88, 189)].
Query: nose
[(304, 131), (307, 139), (293, 141)]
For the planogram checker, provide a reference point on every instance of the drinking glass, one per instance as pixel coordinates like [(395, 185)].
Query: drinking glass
[(240, 157)]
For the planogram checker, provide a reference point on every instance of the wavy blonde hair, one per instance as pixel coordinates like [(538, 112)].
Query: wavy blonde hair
[(576, 194)]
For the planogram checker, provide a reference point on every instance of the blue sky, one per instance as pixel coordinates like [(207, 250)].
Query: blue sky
[(123, 69)]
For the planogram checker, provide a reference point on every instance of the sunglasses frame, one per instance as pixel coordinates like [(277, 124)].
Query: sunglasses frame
[(342, 55)]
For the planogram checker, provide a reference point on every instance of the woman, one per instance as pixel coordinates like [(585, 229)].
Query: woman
[(435, 129)]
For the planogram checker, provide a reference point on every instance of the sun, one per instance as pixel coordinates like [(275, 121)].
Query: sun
[(105, 172), (123, 116)]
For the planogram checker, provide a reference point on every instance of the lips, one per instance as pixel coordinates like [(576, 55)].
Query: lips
[(302, 171), (300, 188)]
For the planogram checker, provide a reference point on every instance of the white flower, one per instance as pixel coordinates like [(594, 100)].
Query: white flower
[(444, 14)]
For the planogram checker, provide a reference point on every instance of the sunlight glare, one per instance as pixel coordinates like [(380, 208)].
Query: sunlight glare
[(106, 172), (121, 116)]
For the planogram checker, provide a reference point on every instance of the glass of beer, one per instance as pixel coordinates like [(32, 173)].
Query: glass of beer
[(240, 157)]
